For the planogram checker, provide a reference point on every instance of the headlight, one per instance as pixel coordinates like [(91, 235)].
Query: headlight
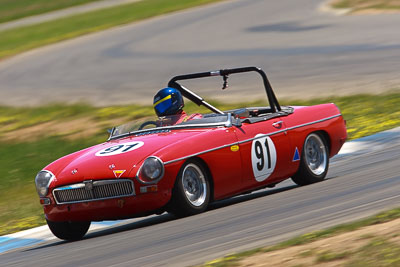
[(42, 181), (151, 171)]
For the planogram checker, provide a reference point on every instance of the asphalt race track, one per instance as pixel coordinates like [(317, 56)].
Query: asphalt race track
[(361, 182), (304, 51)]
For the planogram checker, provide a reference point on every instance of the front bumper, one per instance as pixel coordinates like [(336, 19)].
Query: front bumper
[(108, 209)]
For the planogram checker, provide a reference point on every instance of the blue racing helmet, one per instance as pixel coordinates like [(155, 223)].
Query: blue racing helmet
[(168, 101)]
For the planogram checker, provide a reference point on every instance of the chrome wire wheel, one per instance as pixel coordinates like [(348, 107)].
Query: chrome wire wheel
[(194, 184), (192, 190), (315, 154)]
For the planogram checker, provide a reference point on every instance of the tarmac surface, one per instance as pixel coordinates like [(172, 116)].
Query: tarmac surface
[(305, 52)]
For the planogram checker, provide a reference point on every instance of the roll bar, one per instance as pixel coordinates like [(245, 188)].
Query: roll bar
[(273, 102)]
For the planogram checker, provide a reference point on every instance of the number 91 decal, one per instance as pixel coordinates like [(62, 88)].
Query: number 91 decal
[(119, 149), (263, 157)]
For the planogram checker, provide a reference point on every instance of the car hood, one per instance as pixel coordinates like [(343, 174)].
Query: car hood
[(115, 158)]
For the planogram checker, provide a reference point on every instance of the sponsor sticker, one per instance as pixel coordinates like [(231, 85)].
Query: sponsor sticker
[(296, 156), (235, 148), (118, 173)]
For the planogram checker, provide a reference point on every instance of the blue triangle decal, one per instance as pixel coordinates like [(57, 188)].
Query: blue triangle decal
[(296, 155)]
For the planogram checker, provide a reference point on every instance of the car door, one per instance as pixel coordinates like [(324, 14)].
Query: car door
[(265, 152)]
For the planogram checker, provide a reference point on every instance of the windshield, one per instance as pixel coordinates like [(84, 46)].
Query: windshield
[(155, 124)]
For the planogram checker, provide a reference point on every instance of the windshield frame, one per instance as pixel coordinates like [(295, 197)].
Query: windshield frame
[(227, 123)]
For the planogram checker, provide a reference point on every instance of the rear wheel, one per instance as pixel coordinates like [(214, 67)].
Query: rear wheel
[(191, 193), (314, 161), (69, 230)]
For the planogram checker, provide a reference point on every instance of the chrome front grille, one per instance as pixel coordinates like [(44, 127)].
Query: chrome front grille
[(93, 190)]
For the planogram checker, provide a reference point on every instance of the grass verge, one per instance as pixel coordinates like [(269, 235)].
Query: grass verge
[(21, 39), (378, 251), (12, 9), (30, 138), (365, 115), (19, 207), (359, 5)]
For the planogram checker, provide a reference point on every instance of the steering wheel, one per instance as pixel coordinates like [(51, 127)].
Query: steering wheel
[(147, 123)]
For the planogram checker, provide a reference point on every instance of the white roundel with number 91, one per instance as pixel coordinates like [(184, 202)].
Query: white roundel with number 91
[(119, 149), (263, 157)]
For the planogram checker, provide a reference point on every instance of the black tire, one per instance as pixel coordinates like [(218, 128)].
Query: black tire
[(191, 192), (314, 161), (68, 230)]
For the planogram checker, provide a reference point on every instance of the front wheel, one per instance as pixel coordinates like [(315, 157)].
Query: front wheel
[(314, 161), (191, 193), (68, 230)]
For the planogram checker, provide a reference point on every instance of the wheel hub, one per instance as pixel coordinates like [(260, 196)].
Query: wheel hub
[(315, 154), (194, 185)]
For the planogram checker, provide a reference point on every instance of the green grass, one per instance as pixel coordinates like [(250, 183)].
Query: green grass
[(343, 228), (17, 40), (326, 256), (365, 114), (378, 252), (358, 5), (16, 9), (21, 160), (15, 118), (19, 163)]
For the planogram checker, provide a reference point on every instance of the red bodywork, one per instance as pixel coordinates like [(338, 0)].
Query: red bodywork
[(225, 151)]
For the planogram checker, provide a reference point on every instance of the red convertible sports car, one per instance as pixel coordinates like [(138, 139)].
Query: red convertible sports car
[(148, 167)]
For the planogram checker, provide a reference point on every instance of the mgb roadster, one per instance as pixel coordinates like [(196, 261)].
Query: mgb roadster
[(177, 165)]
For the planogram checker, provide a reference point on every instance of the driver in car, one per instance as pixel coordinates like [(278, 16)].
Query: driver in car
[(168, 105)]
